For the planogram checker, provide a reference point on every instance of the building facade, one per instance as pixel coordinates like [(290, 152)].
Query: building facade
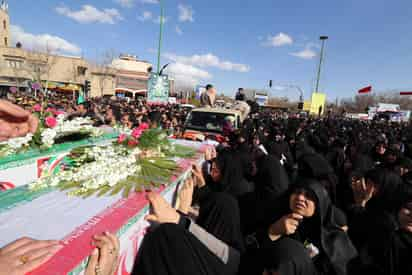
[(132, 75), (4, 25), (21, 68)]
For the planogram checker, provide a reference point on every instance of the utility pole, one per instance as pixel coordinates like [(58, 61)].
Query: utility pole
[(160, 36)]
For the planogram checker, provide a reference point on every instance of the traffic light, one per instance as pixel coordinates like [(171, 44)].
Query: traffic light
[(300, 105), (270, 83), (87, 87)]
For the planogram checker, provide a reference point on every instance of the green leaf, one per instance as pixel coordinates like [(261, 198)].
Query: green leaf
[(69, 185), (118, 187), (103, 190), (127, 189), (89, 193)]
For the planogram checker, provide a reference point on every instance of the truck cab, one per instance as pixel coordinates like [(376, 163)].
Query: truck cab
[(207, 123)]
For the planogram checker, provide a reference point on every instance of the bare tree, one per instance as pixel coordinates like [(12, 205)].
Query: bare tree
[(361, 103), (39, 65), (104, 71)]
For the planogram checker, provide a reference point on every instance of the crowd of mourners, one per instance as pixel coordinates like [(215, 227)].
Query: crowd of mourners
[(324, 196), (109, 111)]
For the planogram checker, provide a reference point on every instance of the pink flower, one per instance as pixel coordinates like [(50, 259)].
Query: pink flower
[(137, 132), (50, 110), (144, 126), (132, 143), (37, 108), (57, 113), (121, 138), (51, 122)]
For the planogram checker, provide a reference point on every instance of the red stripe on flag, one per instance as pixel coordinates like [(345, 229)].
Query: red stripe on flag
[(405, 93), (365, 90)]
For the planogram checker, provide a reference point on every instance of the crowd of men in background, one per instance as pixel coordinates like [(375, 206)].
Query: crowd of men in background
[(279, 196)]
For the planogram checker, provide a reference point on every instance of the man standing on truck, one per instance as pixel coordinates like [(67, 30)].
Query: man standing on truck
[(240, 95), (208, 98)]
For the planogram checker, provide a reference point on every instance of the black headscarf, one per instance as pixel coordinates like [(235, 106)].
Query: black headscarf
[(315, 166), (232, 181), (288, 257), (388, 249), (401, 242), (271, 180), (388, 184), (219, 215), (172, 250), (324, 230)]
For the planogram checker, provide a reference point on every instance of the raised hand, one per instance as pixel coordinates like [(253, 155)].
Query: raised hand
[(199, 180), (287, 225), (104, 258), (210, 153), (15, 121), (362, 192), (186, 196), (162, 211), (25, 255)]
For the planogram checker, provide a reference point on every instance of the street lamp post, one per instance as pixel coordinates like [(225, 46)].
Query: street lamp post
[(160, 36), (294, 87), (323, 39)]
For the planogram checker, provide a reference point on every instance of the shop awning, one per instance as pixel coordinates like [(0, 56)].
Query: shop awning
[(64, 87)]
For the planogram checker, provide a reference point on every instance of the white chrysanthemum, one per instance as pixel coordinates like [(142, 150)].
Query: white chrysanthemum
[(111, 165), (17, 143)]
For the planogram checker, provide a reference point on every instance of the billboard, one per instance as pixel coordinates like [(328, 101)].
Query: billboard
[(262, 100), (306, 106), (199, 91), (158, 89), (318, 103)]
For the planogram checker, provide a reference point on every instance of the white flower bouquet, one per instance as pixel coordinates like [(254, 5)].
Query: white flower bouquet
[(51, 129), (131, 164)]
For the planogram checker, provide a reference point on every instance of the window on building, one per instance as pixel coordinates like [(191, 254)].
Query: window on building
[(81, 70), (15, 64), (6, 42), (4, 24)]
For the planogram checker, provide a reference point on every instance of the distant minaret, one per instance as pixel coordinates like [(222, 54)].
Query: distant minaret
[(4, 24)]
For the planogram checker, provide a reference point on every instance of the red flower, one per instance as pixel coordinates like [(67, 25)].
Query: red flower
[(144, 126), (121, 138), (137, 132), (51, 122), (50, 110), (37, 108), (132, 143), (57, 113)]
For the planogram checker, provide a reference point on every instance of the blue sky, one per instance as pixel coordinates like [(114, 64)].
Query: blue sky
[(238, 43)]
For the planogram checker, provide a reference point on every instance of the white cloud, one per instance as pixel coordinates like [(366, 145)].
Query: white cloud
[(125, 3), (307, 52), (90, 14), (43, 42), (147, 15), (187, 75), (279, 88), (149, 1), (185, 13), (208, 60), (179, 30), (279, 40)]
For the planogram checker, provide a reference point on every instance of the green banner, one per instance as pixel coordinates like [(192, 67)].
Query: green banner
[(158, 89)]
